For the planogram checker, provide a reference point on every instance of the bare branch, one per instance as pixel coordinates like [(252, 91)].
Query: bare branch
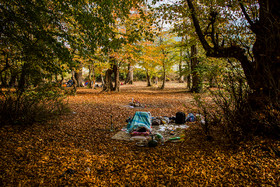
[(252, 24), (204, 43)]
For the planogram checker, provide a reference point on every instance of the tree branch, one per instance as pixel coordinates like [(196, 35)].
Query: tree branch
[(223, 52), (252, 24), (213, 20), (238, 53), (198, 30)]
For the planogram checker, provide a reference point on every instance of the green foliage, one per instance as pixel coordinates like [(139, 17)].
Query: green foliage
[(44, 38), (34, 105), (140, 74)]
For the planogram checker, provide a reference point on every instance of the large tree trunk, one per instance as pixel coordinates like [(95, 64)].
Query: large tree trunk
[(129, 77), (149, 82), (263, 75), (196, 80), (108, 85), (79, 76), (266, 50), (114, 69), (117, 77)]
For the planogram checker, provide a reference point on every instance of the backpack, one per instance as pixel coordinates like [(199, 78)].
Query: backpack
[(180, 118)]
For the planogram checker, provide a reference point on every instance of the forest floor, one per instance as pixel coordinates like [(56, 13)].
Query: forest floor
[(78, 150)]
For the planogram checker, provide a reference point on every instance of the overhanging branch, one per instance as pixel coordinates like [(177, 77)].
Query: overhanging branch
[(252, 24), (223, 52), (198, 30)]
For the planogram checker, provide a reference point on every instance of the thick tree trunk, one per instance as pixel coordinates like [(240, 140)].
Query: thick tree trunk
[(129, 77), (79, 78), (196, 80), (263, 75), (117, 77), (114, 69), (266, 50), (108, 85), (149, 82)]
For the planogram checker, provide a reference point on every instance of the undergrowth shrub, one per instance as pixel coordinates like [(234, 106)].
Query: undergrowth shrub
[(34, 105), (232, 112)]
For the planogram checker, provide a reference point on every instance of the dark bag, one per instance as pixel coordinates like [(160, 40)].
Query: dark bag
[(180, 118)]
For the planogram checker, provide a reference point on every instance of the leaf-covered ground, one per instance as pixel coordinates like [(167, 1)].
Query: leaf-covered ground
[(77, 149)]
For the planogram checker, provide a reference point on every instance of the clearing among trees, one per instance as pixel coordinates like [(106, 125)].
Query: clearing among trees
[(77, 148)]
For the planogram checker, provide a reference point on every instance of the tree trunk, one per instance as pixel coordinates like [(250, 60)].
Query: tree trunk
[(129, 77), (102, 80), (79, 78), (74, 82), (196, 80), (266, 51), (189, 82), (91, 76), (108, 85), (164, 76), (181, 76), (263, 74), (149, 83), (117, 77)]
